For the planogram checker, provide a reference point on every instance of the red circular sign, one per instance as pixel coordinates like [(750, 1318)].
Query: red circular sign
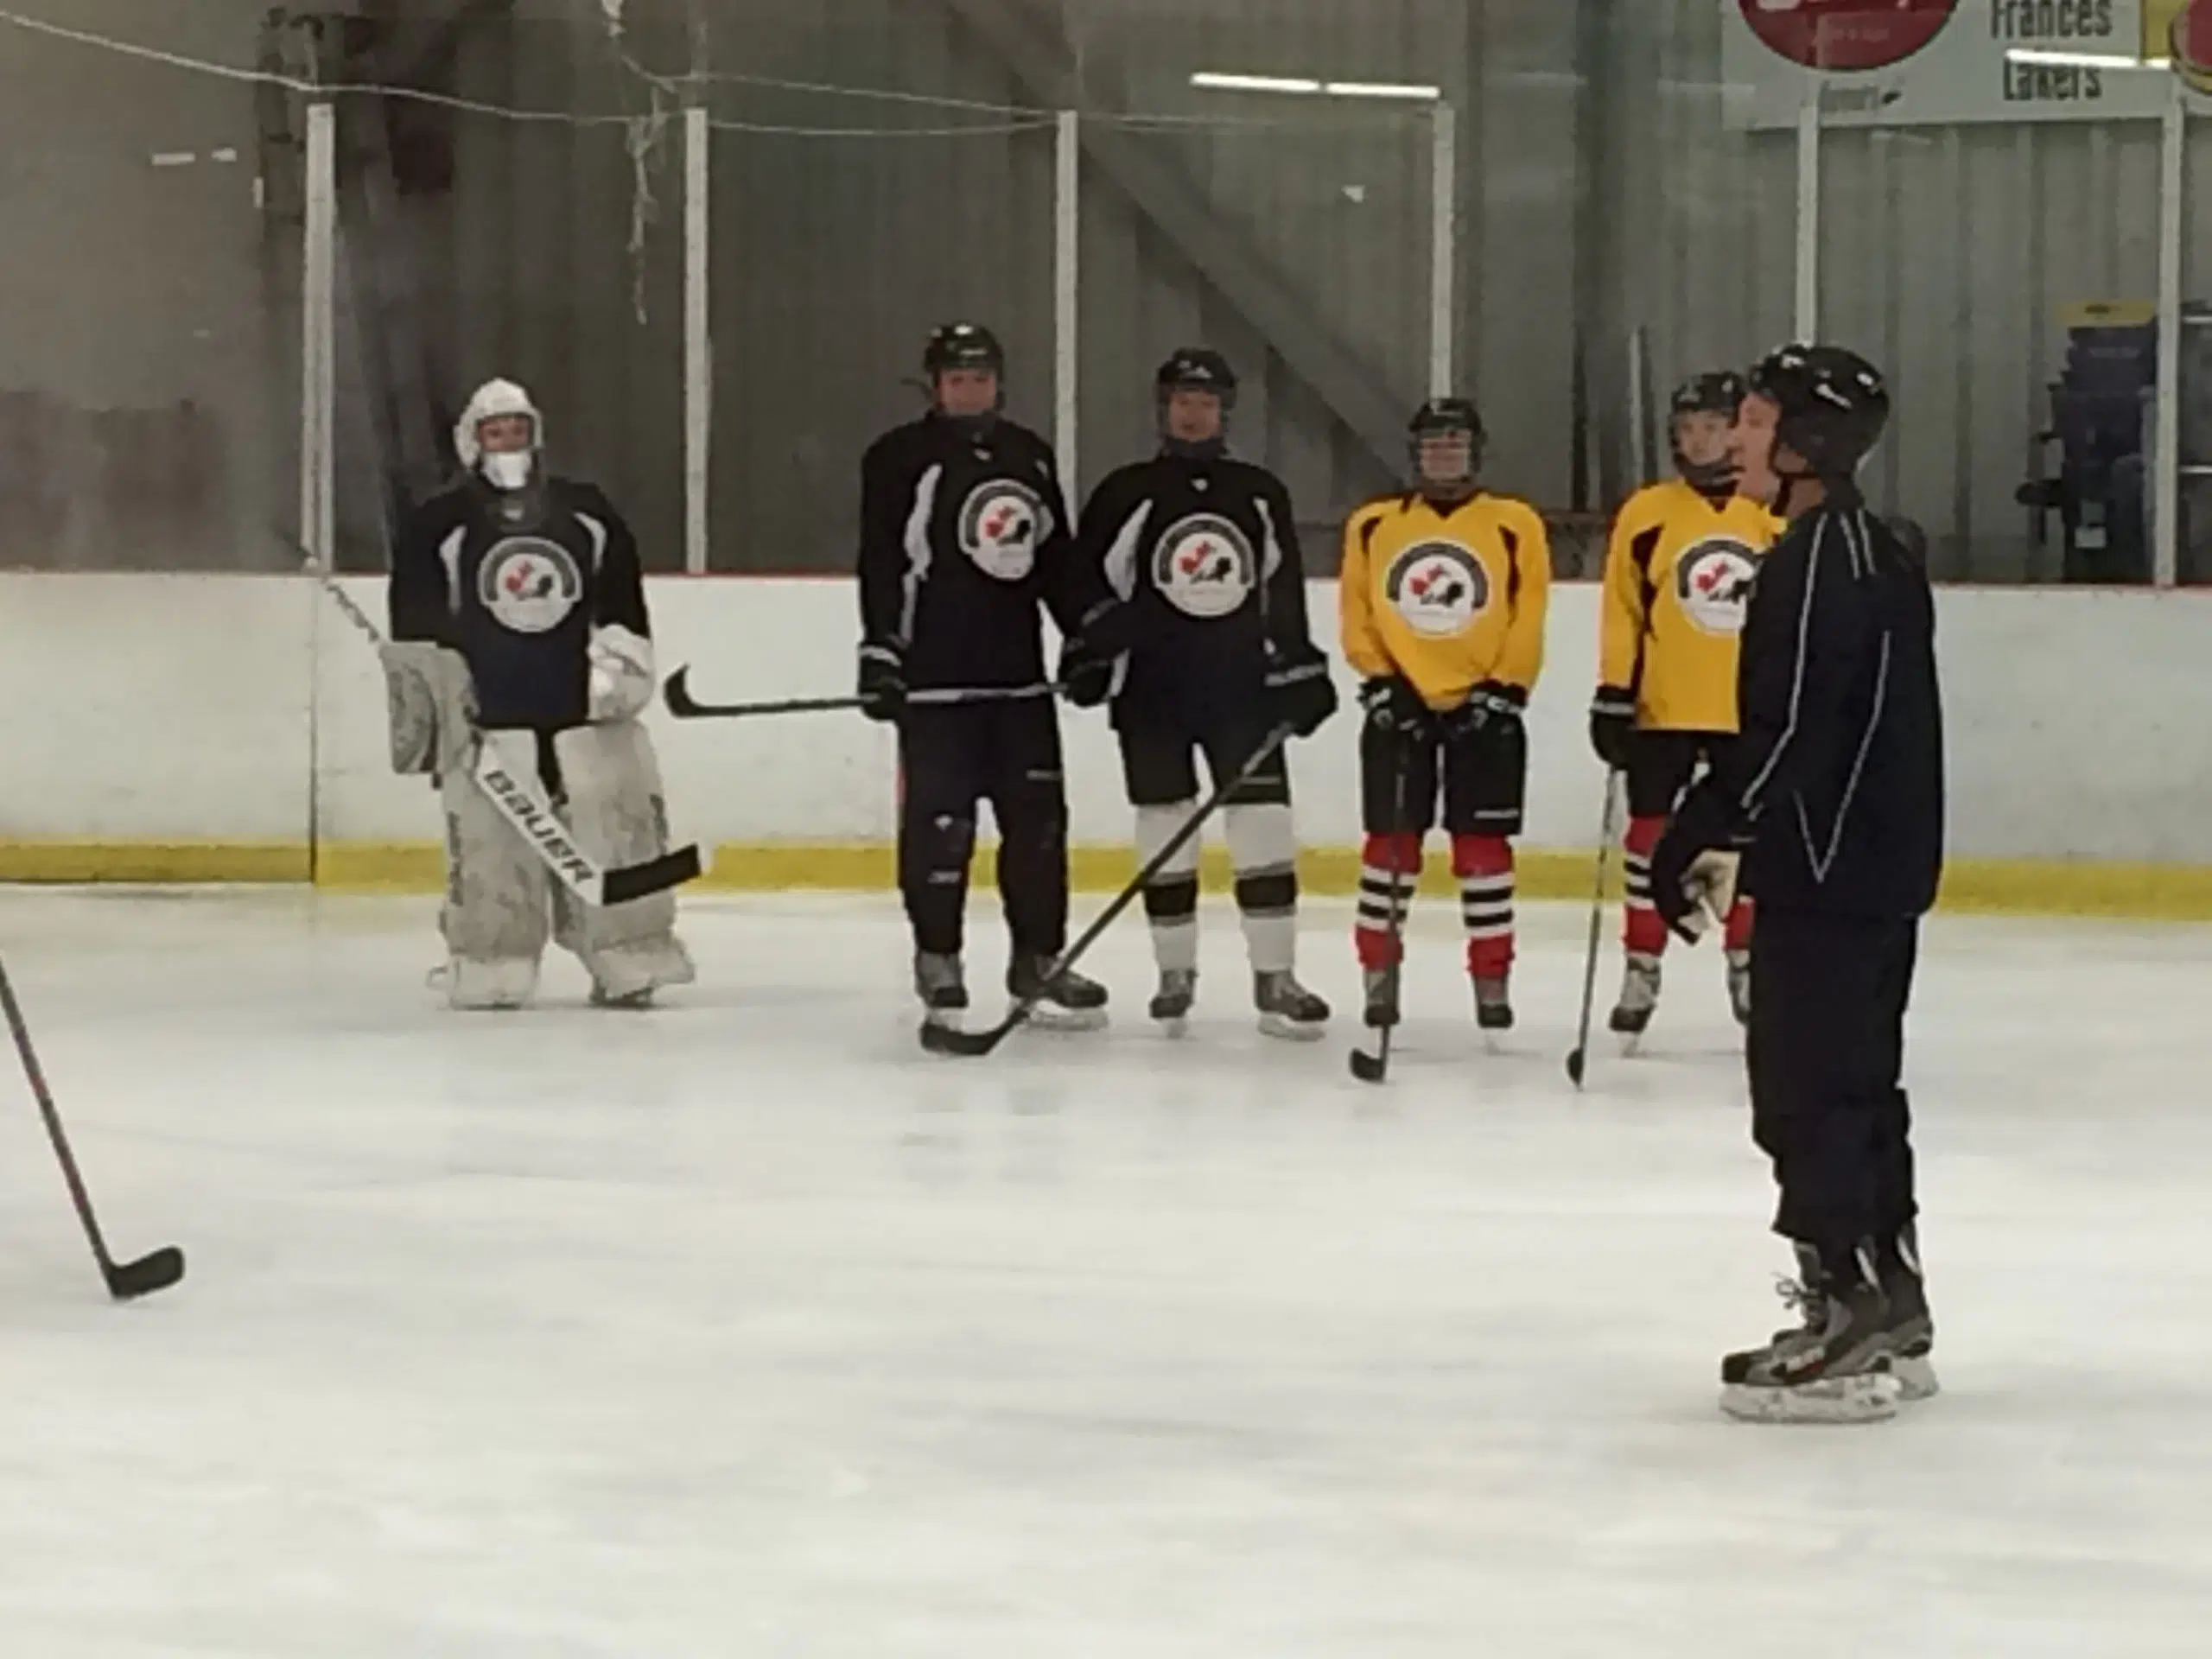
[(2192, 42), (1847, 34)]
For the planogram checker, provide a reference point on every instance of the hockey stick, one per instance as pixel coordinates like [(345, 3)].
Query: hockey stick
[(682, 704), (520, 799), (1608, 833), (1375, 1067), (943, 1040), (126, 1280)]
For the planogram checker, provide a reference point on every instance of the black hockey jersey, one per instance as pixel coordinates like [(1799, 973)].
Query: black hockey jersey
[(962, 533), (1206, 554), (516, 582), (1840, 772)]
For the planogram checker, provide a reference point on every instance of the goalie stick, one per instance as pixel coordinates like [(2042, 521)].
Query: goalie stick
[(126, 1280), (943, 1040), (521, 800), (682, 704)]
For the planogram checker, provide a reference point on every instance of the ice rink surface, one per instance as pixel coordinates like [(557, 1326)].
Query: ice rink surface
[(743, 1328)]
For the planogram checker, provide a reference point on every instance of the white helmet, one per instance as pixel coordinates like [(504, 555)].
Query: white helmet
[(491, 401)]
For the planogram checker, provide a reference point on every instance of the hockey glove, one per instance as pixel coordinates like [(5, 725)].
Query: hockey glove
[(883, 683), (1393, 707), (1299, 694), (1087, 673), (1694, 866), (1493, 706), (1612, 725)]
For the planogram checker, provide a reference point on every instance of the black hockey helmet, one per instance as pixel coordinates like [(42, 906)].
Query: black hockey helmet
[(1720, 392), (1447, 418), (1832, 406), (1196, 368), (962, 346)]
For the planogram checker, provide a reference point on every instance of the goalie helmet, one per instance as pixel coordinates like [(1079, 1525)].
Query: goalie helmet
[(498, 400), (1831, 408), (1720, 392)]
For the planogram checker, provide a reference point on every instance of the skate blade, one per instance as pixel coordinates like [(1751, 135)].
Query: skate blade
[(1870, 1397), (1175, 1026), (946, 1019), (1292, 1031), (1916, 1379), (1068, 1020)]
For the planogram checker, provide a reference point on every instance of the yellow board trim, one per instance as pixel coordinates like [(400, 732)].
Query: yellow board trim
[(1973, 886)]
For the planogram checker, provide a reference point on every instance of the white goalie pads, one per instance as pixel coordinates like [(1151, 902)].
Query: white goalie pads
[(502, 902), (617, 813)]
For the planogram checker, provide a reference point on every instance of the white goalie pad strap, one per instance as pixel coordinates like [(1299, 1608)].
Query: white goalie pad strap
[(496, 918), (1262, 840), (1156, 827), (621, 673), (617, 814), (432, 702)]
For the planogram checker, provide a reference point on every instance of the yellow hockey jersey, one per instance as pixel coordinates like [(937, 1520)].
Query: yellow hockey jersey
[(1678, 580), (1449, 598)]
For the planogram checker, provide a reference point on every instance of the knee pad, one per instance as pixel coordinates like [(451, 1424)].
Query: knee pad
[(615, 809)]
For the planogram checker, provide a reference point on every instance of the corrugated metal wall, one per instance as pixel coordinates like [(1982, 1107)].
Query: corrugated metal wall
[(1601, 189)]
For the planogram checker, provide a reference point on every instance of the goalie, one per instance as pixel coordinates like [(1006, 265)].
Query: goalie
[(519, 623)]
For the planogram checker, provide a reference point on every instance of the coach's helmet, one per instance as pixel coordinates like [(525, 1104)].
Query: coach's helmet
[(504, 469), (1195, 368), (1719, 393), (1830, 408), (1447, 441)]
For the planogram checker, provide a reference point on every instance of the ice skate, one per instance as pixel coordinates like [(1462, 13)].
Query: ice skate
[(1632, 1015), (1834, 1368), (1494, 1005), (942, 986), (1739, 985), (1065, 1001), (632, 1001), (1382, 992), (1286, 1008), (1911, 1327), (1173, 1002)]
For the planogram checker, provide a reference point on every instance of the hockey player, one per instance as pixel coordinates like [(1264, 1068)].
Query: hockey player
[(1678, 576), (1444, 595), (527, 591), (963, 533), (1204, 549), (1836, 788)]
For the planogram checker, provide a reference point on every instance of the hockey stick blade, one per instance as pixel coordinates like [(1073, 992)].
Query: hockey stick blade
[(1371, 1068), (620, 886), (971, 1045), (1575, 1063), (129, 1281)]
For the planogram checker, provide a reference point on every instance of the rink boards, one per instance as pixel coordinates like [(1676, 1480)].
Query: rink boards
[(230, 728)]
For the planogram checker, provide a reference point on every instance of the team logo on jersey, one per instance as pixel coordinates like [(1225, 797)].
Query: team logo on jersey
[(1204, 566), (1712, 584), (529, 584), (1440, 587), (1001, 526)]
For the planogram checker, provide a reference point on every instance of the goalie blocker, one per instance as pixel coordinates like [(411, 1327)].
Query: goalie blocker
[(521, 660)]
